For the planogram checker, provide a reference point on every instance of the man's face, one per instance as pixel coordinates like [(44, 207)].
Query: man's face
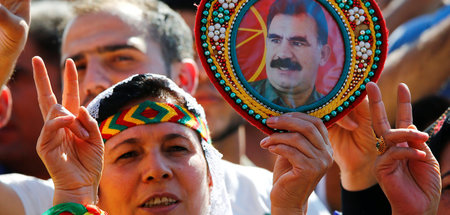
[(293, 53), (106, 50), (19, 136)]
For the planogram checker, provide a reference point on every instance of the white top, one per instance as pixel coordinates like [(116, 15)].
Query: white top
[(248, 188), (249, 191), (36, 194)]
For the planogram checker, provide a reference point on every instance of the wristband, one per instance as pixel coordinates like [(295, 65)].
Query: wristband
[(71, 208)]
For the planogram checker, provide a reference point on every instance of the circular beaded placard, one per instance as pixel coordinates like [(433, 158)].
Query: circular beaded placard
[(356, 36)]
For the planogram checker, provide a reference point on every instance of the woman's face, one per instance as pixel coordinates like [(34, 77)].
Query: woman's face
[(155, 169)]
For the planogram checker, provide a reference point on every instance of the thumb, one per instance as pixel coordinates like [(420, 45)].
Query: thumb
[(15, 27), (49, 132)]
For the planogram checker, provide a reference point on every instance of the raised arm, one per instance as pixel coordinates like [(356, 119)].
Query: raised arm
[(407, 171), (304, 155), (14, 25), (70, 144), (400, 11)]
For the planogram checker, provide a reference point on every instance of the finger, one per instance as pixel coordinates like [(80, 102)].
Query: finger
[(294, 140), (79, 130), (44, 90), (347, 123), (76, 127), (90, 124), (404, 109), (400, 153), (298, 159), (405, 135), (293, 155), (49, 132), (310, 127), (71, 98), (379, 118)]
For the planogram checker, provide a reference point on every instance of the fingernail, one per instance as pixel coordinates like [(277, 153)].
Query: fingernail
[(84, 133), (264, 142), (272, 120), (271, 148), (68, 118)]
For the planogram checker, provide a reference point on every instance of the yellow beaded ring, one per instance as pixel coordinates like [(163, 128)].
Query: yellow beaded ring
[(381, 145)]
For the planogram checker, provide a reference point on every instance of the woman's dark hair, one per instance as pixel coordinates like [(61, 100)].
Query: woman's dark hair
[(140, 87)]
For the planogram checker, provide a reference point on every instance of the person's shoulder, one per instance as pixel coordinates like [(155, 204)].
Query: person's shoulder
[(246, 172), (248, 188), (34, 194), (16, 180), (20, 178)]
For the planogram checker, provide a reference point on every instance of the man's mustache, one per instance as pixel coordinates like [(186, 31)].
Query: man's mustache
[(285, 63)]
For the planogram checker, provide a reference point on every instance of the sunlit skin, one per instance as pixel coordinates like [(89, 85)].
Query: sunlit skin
[(294, 38), (444, 204), (106, 50), (145, 161)]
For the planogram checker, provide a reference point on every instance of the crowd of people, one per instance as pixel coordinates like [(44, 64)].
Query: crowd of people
[(122, 118)]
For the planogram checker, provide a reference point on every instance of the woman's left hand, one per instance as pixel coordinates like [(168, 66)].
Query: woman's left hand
[(304, 155)]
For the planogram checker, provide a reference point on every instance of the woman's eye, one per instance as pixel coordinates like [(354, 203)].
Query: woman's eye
[(177, 149), (122, 58), (80, 67), (128, 155)]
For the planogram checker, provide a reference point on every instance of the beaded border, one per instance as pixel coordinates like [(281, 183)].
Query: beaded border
[(361, 24)]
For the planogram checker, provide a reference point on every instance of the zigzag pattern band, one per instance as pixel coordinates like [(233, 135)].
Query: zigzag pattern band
[(149, 112)]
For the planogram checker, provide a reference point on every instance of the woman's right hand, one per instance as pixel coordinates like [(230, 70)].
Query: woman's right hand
[(407, 172), (70, 144)]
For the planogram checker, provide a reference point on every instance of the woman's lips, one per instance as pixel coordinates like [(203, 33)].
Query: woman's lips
[(161, 203)]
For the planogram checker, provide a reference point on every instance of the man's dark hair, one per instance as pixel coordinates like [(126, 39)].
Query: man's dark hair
[(177, 5), (46, 27), (426, 110), (297, 7)]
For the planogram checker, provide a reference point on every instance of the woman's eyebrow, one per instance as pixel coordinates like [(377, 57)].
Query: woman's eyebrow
[(129, 141), (172, 136), (112, 48)]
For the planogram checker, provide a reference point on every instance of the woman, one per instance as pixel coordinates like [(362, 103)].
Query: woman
[(165, 164)]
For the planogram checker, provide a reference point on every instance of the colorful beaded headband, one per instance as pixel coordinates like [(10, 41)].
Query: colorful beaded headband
[(149, 112)]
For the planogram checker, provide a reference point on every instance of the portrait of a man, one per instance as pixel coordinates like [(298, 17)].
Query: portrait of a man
[(296, 45)]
